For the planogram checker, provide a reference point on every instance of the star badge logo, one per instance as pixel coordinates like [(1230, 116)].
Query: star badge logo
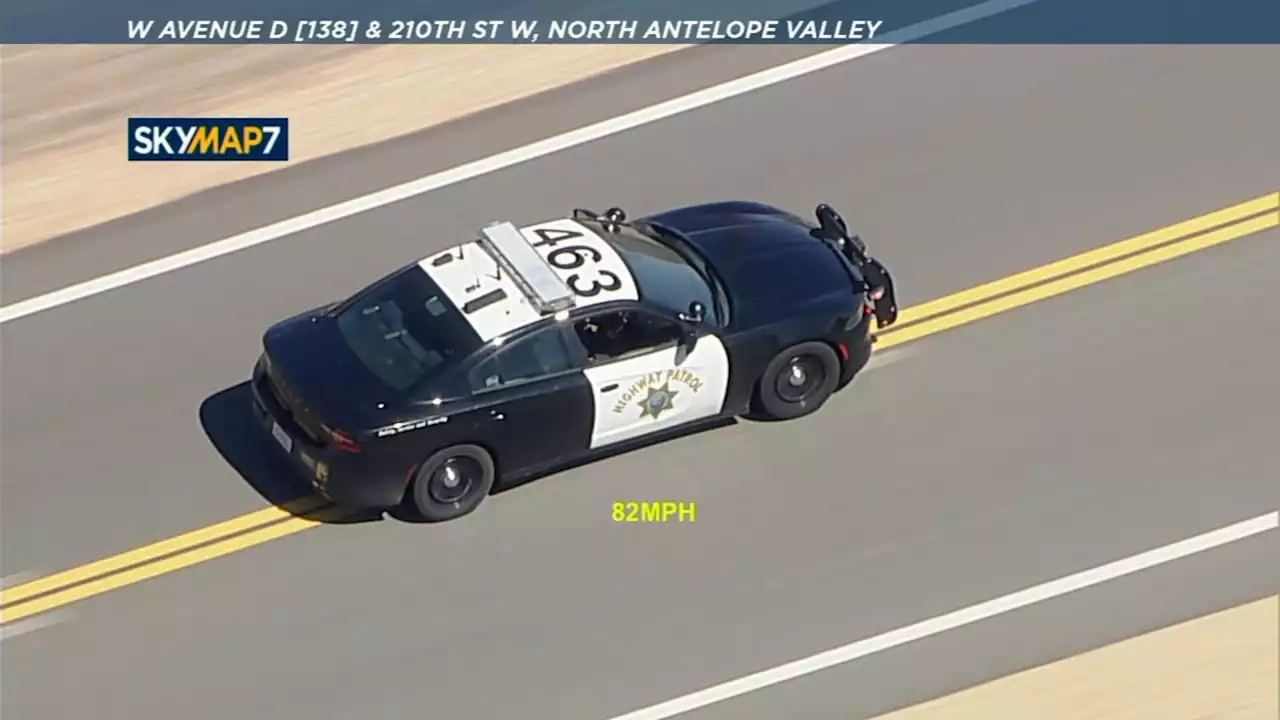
[(658, 401)]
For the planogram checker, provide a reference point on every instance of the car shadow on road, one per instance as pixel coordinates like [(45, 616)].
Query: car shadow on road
[(228, 422)]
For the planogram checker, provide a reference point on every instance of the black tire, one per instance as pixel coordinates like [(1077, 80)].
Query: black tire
[(798, 381), (451, 483)]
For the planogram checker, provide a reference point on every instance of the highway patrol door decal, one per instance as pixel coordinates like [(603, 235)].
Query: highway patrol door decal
[(658, 390)]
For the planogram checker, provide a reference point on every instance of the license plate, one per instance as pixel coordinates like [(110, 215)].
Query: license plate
[(282, 437)]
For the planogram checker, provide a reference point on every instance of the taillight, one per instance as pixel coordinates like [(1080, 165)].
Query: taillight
[(342, 441), (876, 294)]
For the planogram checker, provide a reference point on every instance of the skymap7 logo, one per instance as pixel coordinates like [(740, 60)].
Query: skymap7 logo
[(209, 139)]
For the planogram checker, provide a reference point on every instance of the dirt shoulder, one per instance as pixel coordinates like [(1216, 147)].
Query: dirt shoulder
[(1220, 667), (65, 109)]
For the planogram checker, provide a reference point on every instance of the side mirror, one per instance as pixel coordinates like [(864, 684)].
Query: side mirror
[(696, 313), (692, 318)]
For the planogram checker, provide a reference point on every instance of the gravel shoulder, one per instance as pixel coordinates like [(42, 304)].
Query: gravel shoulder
[(65, 108), (1220, 667)]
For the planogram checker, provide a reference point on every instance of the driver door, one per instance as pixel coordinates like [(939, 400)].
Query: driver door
[(645, 377)]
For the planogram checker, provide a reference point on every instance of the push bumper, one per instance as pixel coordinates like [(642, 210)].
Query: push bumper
[(880, 282)]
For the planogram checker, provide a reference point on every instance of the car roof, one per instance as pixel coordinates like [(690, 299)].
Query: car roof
[(467, 273)]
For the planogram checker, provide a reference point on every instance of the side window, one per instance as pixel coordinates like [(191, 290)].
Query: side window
[(531, 358), (612, 335)]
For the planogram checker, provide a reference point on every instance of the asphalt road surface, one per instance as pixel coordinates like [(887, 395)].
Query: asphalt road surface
[(1024, 447)]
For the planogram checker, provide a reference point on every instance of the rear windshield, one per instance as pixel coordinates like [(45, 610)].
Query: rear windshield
[(404, 329)]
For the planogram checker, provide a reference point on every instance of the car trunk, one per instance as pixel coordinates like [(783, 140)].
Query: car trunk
[(317, 381)]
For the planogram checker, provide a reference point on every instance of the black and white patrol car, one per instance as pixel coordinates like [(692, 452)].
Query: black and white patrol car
[(530, 348)]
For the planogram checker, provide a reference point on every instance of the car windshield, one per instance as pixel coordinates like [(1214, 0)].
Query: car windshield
[(404, 328), (665, 276)]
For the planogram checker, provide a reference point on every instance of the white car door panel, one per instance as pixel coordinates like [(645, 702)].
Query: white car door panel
[(657, 390)]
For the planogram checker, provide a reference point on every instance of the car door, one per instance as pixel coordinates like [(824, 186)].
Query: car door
[(533, 402), (650, 378)]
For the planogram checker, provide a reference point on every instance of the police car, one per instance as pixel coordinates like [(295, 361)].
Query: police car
[(527, 349)]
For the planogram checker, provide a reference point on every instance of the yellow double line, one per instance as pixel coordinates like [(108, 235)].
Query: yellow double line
[(163, 557), (929, 318), (1088, 268)]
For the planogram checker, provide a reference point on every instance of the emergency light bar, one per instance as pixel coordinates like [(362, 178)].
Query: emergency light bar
[(528, 269)]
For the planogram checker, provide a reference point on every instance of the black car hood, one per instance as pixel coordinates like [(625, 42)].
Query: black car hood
[(771, 275), (311, 358)]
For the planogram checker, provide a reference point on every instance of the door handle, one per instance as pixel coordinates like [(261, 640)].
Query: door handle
[(609, 388)]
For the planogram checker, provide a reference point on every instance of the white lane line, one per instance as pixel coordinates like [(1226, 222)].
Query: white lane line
[(18, 578), (22, 627), (503, 160), (959, 618)]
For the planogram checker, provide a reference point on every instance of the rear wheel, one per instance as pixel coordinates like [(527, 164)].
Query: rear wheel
[(798, 381), (451, 483)]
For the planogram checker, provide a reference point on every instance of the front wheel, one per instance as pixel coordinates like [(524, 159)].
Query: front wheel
[(798, 381), (451, 483)]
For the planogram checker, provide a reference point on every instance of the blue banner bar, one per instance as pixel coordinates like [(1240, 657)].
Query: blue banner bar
[(239, 22)]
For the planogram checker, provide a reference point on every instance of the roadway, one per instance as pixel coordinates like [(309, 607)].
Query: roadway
[(1012, 451)]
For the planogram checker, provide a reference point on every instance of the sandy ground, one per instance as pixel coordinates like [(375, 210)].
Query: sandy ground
[(1220, 667), (62, 143)]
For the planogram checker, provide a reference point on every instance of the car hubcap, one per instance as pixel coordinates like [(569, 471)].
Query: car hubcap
[(796, 376), (453, 480), (799, 380)]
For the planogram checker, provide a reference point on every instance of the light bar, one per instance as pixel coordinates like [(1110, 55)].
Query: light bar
[(529, 270)]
